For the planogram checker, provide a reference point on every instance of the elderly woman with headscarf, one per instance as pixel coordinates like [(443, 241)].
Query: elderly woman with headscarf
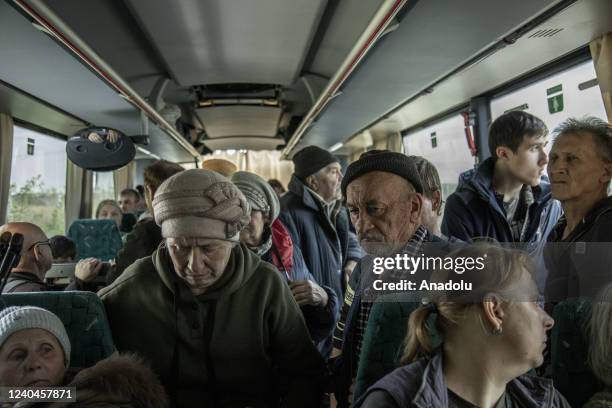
[(35, 352), (268, 238), (218, 324)]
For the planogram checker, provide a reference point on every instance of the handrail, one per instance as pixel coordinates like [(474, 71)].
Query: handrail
[(53, 25), (373, 31)]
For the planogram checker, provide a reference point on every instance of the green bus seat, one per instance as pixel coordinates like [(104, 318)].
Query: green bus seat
[(83, 316), (95, 238)]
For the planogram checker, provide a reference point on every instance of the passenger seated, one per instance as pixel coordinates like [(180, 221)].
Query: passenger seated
[(36, 259), (63, 249), (269, 239), (35, 352), (579, 251), (491, 336), (600, 348), (109, 210), (219, 325), (128, 201)]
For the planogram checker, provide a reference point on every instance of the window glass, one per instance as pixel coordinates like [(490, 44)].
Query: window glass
[(103, 189), (444, 144), (571, 93), (38, 180)]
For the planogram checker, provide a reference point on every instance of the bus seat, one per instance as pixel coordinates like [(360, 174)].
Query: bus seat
[(83, 316), (95, 238), (383, 341), (571, 373)]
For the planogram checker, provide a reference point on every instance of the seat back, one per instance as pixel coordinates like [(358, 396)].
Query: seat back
[(571, 373), (83, 316), (383, 342), (95, 238)]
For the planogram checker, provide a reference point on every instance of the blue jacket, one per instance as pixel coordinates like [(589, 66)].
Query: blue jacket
[(326, 247), (473, 211), (422, 384)]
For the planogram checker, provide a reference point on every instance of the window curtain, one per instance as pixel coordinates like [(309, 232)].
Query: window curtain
[(601, 51), (79, 193), (6, 156), (123, 178), (265, 163)]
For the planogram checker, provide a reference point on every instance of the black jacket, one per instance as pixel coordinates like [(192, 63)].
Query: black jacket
[(141, 242), (579, 265)]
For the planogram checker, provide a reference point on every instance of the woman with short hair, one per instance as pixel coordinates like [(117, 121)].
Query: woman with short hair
[(490, 336)]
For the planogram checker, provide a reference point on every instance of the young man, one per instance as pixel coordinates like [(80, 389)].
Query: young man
[(505, 197)]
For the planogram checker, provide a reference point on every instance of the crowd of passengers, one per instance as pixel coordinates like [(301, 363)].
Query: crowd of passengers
[(231, 292)]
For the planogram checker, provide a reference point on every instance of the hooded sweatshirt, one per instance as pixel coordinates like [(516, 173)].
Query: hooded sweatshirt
[(241, 343)]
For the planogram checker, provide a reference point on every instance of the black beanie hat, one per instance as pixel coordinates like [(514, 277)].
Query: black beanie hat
[(383, 160), (311, 159)]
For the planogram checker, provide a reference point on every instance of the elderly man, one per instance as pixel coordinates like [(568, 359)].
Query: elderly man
[(579, 253), (312, 212), (384, 198), (146, 235), (268, 238), (36, 259), (218, 324)]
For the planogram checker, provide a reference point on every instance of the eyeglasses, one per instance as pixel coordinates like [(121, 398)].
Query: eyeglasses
[(45, 242)]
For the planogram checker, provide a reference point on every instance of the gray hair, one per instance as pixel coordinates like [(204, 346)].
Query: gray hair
[(601, 131), (600, 350)]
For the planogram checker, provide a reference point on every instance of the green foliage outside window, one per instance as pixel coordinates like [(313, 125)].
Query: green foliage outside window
[(40, 205)]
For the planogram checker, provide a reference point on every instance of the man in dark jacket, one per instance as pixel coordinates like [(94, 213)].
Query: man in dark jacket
[(218, 324), (146, 235), (312, 213), (268, 238), (384, 198), (505, 197), (579, 252)]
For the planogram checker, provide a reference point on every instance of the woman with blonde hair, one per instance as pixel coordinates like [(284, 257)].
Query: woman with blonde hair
[(490, 337), (600, 350)]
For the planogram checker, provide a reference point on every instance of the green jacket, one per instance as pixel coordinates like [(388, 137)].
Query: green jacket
[(242, 343)]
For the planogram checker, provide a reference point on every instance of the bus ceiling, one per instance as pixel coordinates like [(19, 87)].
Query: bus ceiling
[(272, 74)]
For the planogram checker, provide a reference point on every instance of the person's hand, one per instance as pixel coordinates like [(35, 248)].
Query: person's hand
[(95, 138), (307, 292), (88, 269), (348, 270), (112, 136)]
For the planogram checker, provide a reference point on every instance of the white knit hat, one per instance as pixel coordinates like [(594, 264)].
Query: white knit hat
[(17, 318)]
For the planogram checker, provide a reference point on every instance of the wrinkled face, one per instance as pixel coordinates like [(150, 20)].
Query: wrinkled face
[(529, 162), (327, 182), (576, 169), (31, 358), (384, 210), (525, 324), (199, 262), (110, 212), (128, 203), (252, 234)]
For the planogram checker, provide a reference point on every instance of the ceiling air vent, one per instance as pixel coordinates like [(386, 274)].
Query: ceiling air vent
[(547, 32)]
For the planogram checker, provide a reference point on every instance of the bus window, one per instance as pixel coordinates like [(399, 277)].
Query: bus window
[(38, 180), (444, 144), (103, 188), (570, 93)]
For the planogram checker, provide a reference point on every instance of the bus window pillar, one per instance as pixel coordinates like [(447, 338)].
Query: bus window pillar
[(481, 107)]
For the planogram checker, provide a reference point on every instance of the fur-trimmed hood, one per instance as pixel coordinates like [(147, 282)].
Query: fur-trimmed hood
[(120, 381)]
